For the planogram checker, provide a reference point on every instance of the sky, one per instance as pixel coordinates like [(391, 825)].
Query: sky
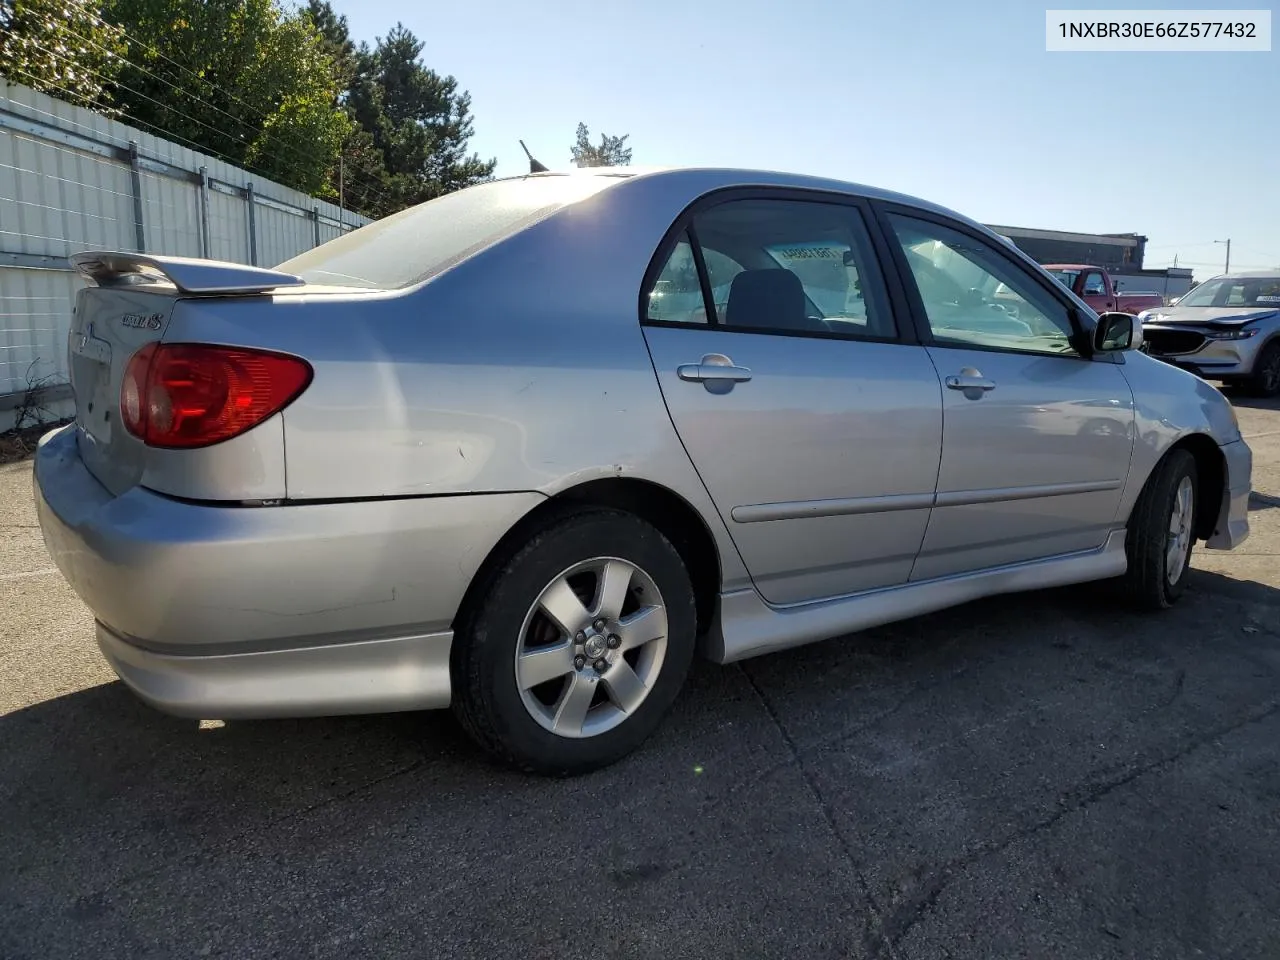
[(956, 103)]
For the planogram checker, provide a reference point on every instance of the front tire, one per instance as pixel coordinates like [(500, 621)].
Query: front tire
[(577, 646), (1161, 533), (1265, 381)]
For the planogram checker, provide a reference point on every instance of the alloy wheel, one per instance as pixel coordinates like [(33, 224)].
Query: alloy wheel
[(1271, 373), (1179, 542), (591, 647)]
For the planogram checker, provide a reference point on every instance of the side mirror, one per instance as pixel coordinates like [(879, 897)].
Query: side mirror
[(1116, 332)]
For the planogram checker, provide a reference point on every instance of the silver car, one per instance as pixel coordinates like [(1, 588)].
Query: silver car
[(1225, 329), (465, 456)]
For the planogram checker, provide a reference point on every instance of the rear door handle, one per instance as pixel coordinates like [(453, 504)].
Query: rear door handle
[(714, 368)]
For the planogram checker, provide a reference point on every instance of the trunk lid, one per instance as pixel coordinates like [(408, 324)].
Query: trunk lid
[(129, 304), (111, 325)]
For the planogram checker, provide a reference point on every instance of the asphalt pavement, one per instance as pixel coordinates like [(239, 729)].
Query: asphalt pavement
[(1045, 775)]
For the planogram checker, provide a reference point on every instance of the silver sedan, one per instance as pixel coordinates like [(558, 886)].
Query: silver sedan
[(529, 448)]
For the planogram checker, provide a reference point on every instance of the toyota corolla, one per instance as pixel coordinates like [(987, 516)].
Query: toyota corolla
[(527, 449)]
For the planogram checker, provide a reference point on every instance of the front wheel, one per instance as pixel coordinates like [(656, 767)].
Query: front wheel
[(579, 646), (1161, 533), (1265, 381)]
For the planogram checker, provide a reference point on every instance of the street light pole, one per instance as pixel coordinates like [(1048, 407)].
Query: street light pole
[(1227, 268)]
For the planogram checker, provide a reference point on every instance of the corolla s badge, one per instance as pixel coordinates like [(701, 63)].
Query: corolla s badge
[(139, 321)]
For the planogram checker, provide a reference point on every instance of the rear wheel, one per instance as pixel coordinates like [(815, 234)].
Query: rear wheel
[(1265, 381), (1162, 532), (577, 647)]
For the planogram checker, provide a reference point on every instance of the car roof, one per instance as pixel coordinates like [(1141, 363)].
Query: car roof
[(1071, 266), (701, 179)]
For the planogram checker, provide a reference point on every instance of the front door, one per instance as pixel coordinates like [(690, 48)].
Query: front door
[(814, 427), (1037, 437)]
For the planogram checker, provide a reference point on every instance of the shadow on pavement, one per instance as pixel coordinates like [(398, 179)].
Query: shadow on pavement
[(1239, 398), (1039, 773)]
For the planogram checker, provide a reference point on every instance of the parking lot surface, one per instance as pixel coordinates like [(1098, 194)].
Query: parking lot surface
[(1045, 775)]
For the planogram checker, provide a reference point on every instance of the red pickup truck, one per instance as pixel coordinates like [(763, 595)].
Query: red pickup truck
[(1093, 285)]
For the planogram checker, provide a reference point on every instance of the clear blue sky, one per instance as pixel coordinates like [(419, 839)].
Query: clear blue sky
[(932, 98)]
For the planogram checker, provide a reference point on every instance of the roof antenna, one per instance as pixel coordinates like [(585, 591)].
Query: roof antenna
[(534, 165)]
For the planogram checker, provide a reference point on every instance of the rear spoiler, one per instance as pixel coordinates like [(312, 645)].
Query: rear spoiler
[(189, 274)]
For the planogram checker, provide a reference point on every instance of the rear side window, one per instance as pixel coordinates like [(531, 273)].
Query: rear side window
[(775, 266), (415, 244)]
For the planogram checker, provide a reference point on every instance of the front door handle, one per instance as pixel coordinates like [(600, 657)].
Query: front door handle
[(714, 368), (971, 381)]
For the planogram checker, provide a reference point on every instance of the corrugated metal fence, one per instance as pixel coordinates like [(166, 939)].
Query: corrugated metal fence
[(72, 180)]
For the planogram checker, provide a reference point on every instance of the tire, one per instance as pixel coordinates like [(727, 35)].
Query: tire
[(1265, 380), (533, 724), (1163, 519)]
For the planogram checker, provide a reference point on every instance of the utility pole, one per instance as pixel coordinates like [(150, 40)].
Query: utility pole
[(1227, 268)]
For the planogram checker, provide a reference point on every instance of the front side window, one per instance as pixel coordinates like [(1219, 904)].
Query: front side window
[(779, 266), (1093, 285), (973, 296)]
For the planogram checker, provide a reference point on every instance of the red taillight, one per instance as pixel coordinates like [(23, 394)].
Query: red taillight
[(193, 395)]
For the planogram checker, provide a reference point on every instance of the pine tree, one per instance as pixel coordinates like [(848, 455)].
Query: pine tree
[(609, 152)]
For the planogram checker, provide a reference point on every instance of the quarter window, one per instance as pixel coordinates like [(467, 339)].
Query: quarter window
[(975, 297), (676, 296), (778, 266)]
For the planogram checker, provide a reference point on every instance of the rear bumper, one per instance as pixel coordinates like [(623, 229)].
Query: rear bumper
[(221, 611), (1232, 528), (371, 676)]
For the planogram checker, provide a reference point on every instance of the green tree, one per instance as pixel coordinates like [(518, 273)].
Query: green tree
[(410, 126), (609, 152), (360, 179), (61, 47), (243, 79), (283, 92), (336, 36), (418, 119)]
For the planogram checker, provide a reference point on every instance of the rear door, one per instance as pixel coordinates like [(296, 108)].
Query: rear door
[(813, 422), (1037, 436)]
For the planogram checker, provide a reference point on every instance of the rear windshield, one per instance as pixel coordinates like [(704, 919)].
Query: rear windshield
[(414, 244)]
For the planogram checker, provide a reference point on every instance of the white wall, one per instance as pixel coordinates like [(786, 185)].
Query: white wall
[(67, 184)]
